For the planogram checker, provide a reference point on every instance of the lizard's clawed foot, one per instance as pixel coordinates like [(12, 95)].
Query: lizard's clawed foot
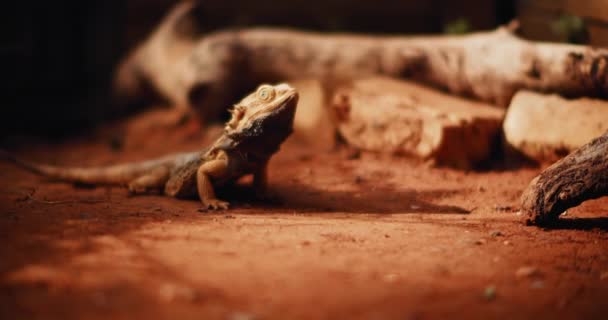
[(215, 204)]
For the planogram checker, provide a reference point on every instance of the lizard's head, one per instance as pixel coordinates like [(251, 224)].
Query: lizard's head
[(266, 104), (263, 119)]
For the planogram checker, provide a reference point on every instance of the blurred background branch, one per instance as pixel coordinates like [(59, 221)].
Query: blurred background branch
[(58, 57)]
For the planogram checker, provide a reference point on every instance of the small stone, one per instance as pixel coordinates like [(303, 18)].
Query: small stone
[(496, 233), (506, 243), (502, 208), (564, 214), (229, 216), (353, 154), (387, 236), (305, 157), (562, 303), (537, 284), (85, 215), (527, 272), (171, 292), (489, 293), (116, 143), (391, 277), (305, 243), (414, 207), (100, 298), (480, 242), (241, 316)]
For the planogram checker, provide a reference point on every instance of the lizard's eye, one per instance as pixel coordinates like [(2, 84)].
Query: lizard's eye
[(266, 93)]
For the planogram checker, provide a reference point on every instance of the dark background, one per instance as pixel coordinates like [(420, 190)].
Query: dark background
[(58, 57)]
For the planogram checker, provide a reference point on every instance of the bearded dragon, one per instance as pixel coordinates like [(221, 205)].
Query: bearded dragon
[(258, 125)]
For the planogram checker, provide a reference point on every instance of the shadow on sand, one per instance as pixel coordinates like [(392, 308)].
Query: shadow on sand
[(364, 199), (599, 223)]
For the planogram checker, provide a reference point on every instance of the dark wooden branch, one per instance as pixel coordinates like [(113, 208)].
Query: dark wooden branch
[(580, 176)]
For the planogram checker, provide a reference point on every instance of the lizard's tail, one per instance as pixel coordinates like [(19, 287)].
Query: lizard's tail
[(117, 174), (9, 157)]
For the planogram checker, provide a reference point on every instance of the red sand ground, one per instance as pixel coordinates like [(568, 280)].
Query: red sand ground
[(368, 238)]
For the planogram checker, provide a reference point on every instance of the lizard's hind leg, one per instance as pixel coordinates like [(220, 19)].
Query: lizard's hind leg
[(153, 180)]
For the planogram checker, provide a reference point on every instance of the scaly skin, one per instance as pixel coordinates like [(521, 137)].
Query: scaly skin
[(259, 124)]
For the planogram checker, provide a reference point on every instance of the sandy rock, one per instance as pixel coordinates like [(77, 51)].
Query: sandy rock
[(390, 278), (537, 284), (548, 127), (241, 316), (312, 124), (527, 272), (393, 116), (496, 233), (170, 292), (489, 293)]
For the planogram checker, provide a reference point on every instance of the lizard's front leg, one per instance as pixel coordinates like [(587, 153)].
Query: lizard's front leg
[(260, 180), (212, 169)]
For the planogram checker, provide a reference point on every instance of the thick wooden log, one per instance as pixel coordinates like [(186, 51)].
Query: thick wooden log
[(205, 71), (580, 176)]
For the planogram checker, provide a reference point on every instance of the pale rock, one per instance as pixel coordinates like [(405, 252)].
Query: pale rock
[(401, 117), (312, 124), (527, 272), (547, 127)]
